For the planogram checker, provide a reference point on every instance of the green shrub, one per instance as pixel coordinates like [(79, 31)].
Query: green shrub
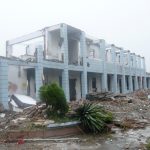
[(148, 146), (93, 117), (55, 99)]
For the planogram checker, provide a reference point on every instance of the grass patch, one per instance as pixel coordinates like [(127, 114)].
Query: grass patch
[(64, 119)]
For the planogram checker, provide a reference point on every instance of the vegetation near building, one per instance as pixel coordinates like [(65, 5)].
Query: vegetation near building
[(55, 99), (93, 117)]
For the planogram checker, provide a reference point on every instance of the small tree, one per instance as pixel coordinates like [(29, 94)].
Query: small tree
[(54, 96)]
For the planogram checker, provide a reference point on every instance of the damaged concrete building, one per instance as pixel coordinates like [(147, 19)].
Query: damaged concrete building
[(80, 64)]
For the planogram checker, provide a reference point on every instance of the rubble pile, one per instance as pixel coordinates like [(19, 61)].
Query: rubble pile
[(36, 112), (22, 120), (140, 94), (103, 96), (133, 108)]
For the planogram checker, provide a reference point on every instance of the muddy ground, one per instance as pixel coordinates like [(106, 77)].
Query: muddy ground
[(128, 140)]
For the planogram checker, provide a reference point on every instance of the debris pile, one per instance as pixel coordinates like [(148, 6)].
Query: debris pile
[(103, 96), (36, 112), (33, 115), (130, 110), (18, 102)]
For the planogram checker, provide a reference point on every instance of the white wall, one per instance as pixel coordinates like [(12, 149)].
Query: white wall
[(52, 75), (53, 43), (73, 49), (17, 84)]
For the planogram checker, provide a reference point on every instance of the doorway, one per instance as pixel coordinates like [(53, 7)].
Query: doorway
[(72, 89)]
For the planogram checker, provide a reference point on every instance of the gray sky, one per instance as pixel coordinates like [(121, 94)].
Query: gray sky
[(126, 23)]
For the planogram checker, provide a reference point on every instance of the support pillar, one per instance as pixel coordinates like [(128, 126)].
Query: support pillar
[(84, 73), (114, 83), (104, 82), (130, 84), (104, 75), (136, 83), (65, 83), (123, 84), (84, 83), (145, 86), (39, 71), (9, 49), (65, 73), (114, 78), (123, 71), (4, 83)]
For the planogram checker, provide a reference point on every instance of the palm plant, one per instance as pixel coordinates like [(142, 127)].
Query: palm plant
[(93, 117)]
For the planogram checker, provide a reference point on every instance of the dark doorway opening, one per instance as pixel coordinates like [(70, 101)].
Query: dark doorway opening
[(120, 85), (127, 82), (109, 78), (133, 84), (72, 89), (31, 82), (94, 84)]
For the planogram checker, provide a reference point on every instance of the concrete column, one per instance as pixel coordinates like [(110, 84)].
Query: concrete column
[(4, 83), (104, 75), (145, 86), (130, 76), (39, 71), (115, 83), (130, 84), (38, 79), (104, 82), (114, 78), (123, 84), (136, 83), (129, 59), (84, 83), (134, 61), (139, 61), (140, 82), (65, 73), (64, 47), (143, 63), (65, 83), (84, 72), (9, 50), (123, 71), (144, 67), (46, 42)]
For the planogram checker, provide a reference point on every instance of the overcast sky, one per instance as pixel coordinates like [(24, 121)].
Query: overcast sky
[(126, 23)]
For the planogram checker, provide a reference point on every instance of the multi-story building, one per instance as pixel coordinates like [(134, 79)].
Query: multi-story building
[(77, 62)]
